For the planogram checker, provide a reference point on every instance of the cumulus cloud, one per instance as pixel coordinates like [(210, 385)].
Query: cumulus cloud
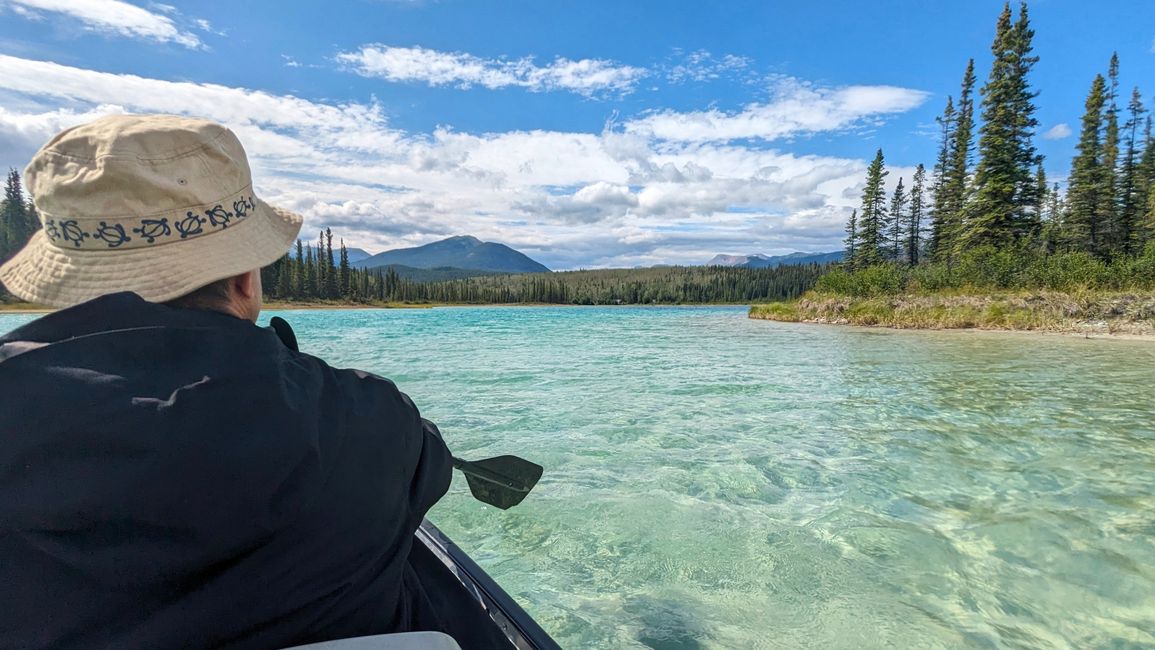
[(113, 17), (615, 198), (1057, 132), (417, 64), (796, 108)]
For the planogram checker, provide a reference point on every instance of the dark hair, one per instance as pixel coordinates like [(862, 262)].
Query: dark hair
[(211, 297)]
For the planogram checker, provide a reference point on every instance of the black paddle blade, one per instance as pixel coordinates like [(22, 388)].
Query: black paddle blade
[(281, 327), (503, 481)]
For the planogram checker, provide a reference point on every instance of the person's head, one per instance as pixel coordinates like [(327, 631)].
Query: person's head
[(239, 295), (155, 204)]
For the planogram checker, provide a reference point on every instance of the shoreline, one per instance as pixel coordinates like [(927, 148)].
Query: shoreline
[(1090, 315)]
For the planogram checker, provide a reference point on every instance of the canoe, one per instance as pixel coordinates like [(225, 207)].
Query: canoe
[(503, 611)]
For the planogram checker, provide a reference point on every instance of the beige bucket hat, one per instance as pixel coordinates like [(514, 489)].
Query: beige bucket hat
[(156, 204)]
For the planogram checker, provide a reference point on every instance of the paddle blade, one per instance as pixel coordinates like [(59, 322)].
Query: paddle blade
[(503, 481)]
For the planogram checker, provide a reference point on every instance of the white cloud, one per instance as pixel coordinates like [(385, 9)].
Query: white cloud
[(417, 64), (615, 198), (114, 17), (796, 108), (1057, 132), (701, 65)]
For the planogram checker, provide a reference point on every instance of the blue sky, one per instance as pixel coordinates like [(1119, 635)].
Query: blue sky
[(586, 134)]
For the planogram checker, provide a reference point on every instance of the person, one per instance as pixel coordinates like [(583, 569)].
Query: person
[(171, 474)]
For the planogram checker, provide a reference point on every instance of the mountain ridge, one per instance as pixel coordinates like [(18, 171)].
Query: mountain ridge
[(464, 252), (760, 261)]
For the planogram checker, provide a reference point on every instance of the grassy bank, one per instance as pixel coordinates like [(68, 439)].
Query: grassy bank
[(1088, 311)]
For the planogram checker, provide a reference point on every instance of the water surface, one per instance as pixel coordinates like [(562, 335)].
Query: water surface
[(717, 482)]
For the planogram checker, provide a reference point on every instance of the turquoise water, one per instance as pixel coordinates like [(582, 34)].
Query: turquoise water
[(717, 482)]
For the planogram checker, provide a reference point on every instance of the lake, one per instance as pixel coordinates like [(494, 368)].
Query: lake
[(717, 482)]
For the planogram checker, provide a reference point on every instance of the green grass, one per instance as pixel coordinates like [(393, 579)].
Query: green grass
[(1078, 311)]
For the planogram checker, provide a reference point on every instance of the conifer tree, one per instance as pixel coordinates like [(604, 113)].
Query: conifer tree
[(310, 272), (914, 217), (942, 227), (1131, 196), (896, 221), (1086, 222), (332, 282), (14, 219), (1109, 197), (1002, 209), (872, 242), (961, 146), (285, 278), (345, 269), (1145, 192), (299, 272), (851, 239)]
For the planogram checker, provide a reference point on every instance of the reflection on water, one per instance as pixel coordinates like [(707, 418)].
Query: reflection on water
[(715, 482)]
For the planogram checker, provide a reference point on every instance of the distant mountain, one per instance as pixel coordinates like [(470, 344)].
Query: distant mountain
[(357, 254), (757, 261), (463, 252), (734, 260)]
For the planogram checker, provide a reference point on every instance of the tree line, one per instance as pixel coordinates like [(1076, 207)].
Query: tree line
[(320, 273), (1001, 200)]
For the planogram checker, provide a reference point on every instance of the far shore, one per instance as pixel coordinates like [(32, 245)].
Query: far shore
[(1089, 314)]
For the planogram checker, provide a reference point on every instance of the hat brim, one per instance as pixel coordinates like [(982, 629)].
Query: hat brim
[(45, 274)]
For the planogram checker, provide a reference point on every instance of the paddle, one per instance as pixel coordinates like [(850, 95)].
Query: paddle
[(502, 481)]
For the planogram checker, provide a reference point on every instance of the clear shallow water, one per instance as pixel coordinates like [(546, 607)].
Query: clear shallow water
[(716, 482)]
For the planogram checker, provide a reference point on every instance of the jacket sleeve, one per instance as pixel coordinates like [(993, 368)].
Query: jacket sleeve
[(428, 462)]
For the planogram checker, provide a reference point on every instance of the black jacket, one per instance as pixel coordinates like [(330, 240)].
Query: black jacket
[(180, 478)]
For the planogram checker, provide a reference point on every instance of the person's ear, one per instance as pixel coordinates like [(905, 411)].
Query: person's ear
[(245, 285)]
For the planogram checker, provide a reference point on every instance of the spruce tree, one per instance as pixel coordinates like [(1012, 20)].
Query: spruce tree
[(1145, 190), (896, 221), (332, 282), (872, 242), (942, 227), (1004, 203), (310, 288), (851, 239), (14, 219), (1109, 196), (961, 147), (1131, 197), (1086, 223), (299, 272), (345, 271), (914, 217)]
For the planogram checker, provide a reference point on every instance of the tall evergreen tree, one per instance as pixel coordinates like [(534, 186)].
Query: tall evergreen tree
[(913, 236), (1003, 207), (1130, 194), (942, 227), (299, 271), (309, 291), (872, 241), (1086, 222), (851, 239), (345, 271), (1110, 196), (332, 282), (14, 220), (961, 148), (1145, 192), (896, 221)]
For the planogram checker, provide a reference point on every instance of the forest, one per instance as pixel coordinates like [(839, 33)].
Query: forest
[(320, 273), (987, 217)]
